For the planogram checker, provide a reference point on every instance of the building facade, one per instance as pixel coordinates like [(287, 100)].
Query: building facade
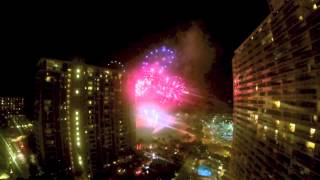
[(10, 107), (83, 122), (276, 75)]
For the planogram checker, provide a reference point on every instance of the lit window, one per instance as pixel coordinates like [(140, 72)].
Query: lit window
[(77, 112), (77, 91), (292, 127), (276, 131), (90, 88), (78, 143), (310, 145), (315, 117), (301, 18), (90, 102), (256, 117), (277, 122), (312, 132), (78, 70), (78, 76), (314, 7), (48, 78), (277, 103), (80, 160), (77, 118), (265, 127)]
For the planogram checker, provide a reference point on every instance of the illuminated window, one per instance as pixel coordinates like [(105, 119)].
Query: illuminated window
[(292, 127), (277, 122), (90, 102), (310, 145), (314, 7), (77, 112), (48, 78), (80, 160), (301, 18), (77, 118), (277, 103), (256, 117), (276, 131), (315, 117), (78, 76), (78, 70), (77, 91), (265, 127), (312, 132), (90, 88)]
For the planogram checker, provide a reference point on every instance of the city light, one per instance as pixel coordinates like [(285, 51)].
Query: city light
[(312, 132), (4, 176), (292, 127), (310, 145)]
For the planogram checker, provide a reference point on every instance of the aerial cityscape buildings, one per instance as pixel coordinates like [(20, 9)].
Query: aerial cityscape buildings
[(194, 96)]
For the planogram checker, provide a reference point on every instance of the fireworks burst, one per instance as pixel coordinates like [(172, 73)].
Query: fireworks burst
[(154, 90)]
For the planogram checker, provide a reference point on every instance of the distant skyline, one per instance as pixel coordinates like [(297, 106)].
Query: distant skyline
[(108, 32)]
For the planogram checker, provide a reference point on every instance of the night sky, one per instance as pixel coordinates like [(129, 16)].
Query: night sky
[(101, 33)]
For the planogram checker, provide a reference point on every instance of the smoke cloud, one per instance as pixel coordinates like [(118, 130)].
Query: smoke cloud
[(195, 54)]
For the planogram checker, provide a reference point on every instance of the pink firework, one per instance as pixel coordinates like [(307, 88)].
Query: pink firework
[(155, 83), (154, 91)]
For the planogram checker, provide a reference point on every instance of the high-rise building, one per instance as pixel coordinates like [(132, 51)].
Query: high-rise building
[(276, 75), (83, 123), (11, 106)]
